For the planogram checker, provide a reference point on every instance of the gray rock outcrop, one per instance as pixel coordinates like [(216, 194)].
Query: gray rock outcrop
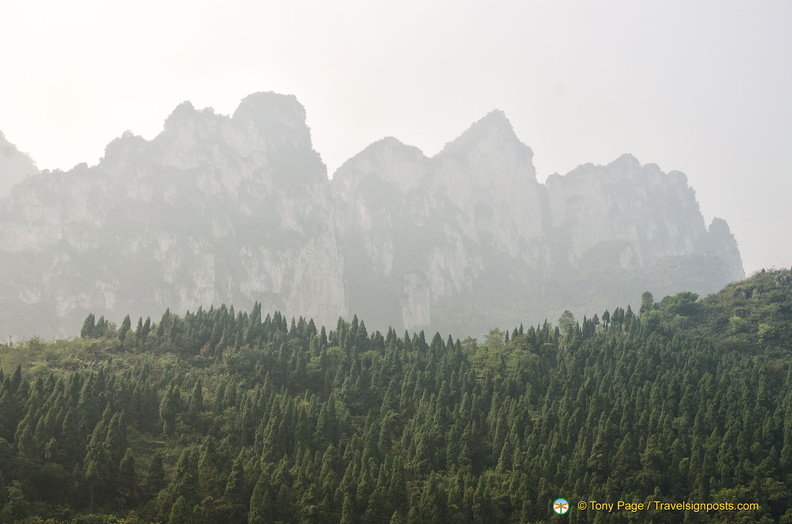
[(14, 166), (239, 209), (213, 210)]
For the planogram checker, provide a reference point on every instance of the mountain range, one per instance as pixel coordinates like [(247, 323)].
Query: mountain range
[(239, 209)]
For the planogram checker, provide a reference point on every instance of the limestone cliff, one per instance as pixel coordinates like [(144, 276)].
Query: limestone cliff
[(423, 230), (213, 210), (238, 209), (469, 239), (14, 166)]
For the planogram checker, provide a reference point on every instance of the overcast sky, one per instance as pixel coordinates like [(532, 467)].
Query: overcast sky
[(699, 87)]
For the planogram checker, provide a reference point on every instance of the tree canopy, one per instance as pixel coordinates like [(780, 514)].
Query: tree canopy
[(226, 416)]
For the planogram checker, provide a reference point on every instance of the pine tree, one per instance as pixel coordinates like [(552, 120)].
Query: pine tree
[(169, 408), (235, 486), (126, 473), (195, 403), (260, 501), (348, 511), (126, 325), (155, 476), (180, 512), (88, 327), (93, 475), (209, 468), (115, 443)]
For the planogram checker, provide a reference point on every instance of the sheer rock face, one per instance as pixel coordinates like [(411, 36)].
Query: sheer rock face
[(650, 213), (213, 210), (468, 239), (220, 209), (14, 166), (423, 230)]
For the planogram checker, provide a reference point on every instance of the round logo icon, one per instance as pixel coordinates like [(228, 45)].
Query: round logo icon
[(560, 506)]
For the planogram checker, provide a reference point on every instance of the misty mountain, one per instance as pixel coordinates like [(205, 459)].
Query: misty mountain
[(14, 165), (469, 238), (238, 209), (214, 209)]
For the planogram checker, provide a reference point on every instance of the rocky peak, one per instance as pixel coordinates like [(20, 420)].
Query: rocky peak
[(486, 164), (14, 165), (120, 150), (274, 116), (626, 163), (185, 119), (721, 242), (388, 161), (494, 124), (492, 135), (280, 121), (214, 209), (265, 139), (624, 168), (238, 209)]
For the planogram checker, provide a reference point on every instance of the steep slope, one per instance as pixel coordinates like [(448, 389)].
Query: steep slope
[(469, 239), (465, 222), (214, 209), (238, 209), (643, 213), (14, 166)]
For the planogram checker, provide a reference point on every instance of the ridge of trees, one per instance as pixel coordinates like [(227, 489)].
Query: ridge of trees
[(224, 416)]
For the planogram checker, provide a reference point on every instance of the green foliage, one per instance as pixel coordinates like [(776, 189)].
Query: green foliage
[(647, 302), (15, 507), (683, 304), (226, 416), (180, 513)]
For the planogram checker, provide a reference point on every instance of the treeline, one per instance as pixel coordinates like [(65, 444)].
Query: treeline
[(224, 416)]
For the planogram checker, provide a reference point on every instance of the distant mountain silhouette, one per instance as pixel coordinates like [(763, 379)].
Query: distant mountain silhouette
[(238, 209), (14, 166)]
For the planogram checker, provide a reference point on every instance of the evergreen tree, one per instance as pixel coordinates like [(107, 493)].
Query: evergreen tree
[(169, 408), (89, 326), (126, 325), (180, 512), (260, 502), (155, 476), (126, 473), (348, 511)]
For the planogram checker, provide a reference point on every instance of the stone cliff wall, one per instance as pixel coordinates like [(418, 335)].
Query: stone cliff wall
[(214, 210), (238, 209)]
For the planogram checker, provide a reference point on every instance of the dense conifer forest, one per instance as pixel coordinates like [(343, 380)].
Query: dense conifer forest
[(226, 416)]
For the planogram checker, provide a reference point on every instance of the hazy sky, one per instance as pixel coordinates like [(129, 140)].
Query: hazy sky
[(702, 87)]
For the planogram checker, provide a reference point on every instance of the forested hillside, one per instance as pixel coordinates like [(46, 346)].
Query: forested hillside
[(224, 416)]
